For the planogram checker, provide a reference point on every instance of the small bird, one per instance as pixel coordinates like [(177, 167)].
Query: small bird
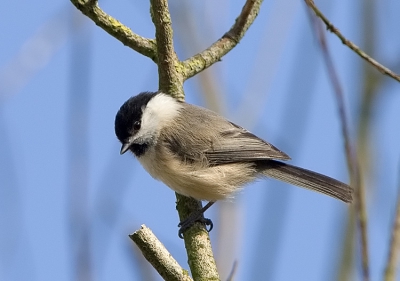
[(200, 154)]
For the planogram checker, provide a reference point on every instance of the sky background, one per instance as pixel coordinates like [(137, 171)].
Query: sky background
[(68, 200)]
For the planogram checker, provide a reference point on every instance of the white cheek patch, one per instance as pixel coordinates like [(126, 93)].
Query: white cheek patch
[(159, 111)]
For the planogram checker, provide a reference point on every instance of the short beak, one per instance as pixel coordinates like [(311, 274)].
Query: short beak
[(125, 147)]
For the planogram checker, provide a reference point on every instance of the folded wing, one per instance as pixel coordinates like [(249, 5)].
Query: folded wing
[(220, 141)]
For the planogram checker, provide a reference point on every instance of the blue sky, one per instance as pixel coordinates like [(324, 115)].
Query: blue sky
[(64, 188)]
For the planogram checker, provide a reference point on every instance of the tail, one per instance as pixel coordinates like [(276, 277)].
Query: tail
[(307, 179)]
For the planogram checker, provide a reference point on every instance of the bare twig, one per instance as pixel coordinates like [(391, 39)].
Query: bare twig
[(350, 44), (390, 271), (351, 155), (159, 257), (122, 33), (227, 42)]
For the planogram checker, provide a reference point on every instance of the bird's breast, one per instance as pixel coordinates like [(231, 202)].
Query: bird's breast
[(210, 183)]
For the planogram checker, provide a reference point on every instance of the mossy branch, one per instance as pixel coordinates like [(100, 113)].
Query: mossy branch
[(170, 81), (112, 26), (226, 43), (197, 240)]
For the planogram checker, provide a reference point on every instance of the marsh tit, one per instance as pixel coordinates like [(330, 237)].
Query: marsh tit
[(200, 154)]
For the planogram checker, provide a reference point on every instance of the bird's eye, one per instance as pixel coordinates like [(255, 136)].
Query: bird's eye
[(136, 125)]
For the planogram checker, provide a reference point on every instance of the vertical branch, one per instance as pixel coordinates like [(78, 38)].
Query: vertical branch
[(197, 241), (169, 80)]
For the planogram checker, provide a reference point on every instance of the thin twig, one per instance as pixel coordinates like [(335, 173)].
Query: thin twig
[(122, 33), (227, 42), (390, 271), (159, 257), (351, 155), (233, 271), (350, 44)]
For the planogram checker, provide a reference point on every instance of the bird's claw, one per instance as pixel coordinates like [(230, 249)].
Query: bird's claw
[(189, 222)]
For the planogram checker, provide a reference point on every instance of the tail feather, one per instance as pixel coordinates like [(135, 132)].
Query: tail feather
[(307, 179)]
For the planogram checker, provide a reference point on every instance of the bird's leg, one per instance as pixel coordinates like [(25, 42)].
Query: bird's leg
[(196, 217)]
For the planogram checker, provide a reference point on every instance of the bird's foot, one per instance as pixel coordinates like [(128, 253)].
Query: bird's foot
[(196, 217)]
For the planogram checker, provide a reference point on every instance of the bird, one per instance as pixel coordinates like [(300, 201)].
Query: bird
[(201, 154)]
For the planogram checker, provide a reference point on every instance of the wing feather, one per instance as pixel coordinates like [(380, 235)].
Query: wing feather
[(224, 142)]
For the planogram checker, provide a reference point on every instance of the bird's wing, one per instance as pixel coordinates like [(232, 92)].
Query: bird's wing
[(237, 144), (220, 142)]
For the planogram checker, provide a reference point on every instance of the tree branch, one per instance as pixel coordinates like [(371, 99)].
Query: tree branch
[(226, 43), (169, 80), (122, 33), (159, 257), (350, 44), (197, 241)]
